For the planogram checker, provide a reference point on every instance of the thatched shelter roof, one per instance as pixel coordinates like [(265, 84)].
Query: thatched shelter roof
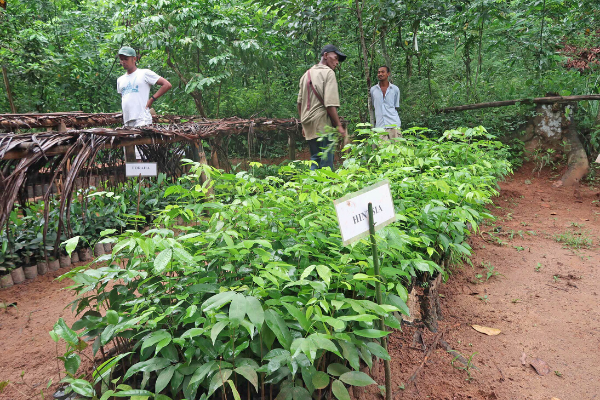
[(73, 150)]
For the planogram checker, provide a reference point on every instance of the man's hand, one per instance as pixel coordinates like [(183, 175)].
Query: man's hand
[(149, 103), (344, 134), (303, 133)]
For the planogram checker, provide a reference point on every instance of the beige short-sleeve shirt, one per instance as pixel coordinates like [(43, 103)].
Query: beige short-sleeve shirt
[(315, 117)]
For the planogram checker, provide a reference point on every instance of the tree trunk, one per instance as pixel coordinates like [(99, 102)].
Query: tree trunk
[(196, 94), (384, 51), (467, 61), (365, 61), (479, 56), (8, 91)]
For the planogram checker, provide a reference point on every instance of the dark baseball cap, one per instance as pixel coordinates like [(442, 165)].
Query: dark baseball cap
[(331, 48)]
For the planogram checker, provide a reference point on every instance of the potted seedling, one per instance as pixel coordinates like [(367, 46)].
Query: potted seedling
[(29, 248), (6, 266), (63, 258), (17, 274), (53, 262)]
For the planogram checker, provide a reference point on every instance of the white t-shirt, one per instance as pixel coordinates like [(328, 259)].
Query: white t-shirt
[(135, 92)]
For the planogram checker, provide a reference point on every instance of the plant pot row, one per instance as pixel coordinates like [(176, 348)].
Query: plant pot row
[(40, 190), (19, 275)]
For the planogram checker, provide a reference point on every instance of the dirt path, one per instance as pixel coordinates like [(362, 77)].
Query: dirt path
[(26, 346), (545, 302)]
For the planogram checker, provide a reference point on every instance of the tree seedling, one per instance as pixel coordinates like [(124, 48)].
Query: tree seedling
[(463, 367)]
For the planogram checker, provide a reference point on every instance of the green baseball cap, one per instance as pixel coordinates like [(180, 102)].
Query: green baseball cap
[(127, 51)]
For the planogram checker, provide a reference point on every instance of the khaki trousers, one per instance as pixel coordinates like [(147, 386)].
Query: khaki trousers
[(393, 133)]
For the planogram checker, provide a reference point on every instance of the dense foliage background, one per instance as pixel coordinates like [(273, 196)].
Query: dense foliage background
[(244, 58)]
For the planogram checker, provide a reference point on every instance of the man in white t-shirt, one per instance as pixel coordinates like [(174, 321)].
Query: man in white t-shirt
[(134, 88)]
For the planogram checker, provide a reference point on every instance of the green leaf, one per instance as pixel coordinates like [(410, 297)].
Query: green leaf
[(321, 342), (217, 301), (320, 380), (164, 378), (357, 378), (108, 394), (71, 244), (72, 362), (216, 329), (325, 273), (249, 373), (300, 393), (202, 372), (218, 380), (183, 256), (339, 390), (255, 311), (359, 317), (397, 302), (350, 353), (237, 310), (82, 387), (190, 333), (337, 369), (112, 317), (155, 337), (134, 392), (103, 371), (162, 260), (234, 391), (279, 328), (66, 333), (150, 365), (378, 351), (371, 333), (298, 316)]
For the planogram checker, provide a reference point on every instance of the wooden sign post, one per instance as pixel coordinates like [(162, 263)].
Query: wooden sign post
[(361, 214)]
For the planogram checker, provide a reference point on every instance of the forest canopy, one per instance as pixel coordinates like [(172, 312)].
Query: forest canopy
[(244, 58)]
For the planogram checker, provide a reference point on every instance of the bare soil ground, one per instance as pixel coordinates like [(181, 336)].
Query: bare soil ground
[(545, 302)]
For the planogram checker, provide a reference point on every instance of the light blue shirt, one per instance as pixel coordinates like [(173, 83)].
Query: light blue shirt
[(385, 106)]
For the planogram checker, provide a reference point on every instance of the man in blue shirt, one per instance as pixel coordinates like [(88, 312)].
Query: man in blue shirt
[(386, 99)]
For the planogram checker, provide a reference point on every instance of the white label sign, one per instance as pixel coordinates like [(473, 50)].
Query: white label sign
[(143, 169), (353, 211)]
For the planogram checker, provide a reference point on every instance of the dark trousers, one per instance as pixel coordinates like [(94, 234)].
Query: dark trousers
[(317, 153)]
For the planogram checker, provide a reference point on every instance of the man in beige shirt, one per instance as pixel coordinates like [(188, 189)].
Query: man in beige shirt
[(318, 100)]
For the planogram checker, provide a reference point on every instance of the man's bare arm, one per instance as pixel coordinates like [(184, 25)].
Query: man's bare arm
[(335, 119), (165, 85)]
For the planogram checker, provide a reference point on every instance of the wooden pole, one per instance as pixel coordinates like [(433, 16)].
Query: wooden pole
[(291, 145), (214, 157), (8, 91), (201, 158), (536, 100), (386, 363)]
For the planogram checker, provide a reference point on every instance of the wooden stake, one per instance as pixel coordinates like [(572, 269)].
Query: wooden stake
[(386, 363), (291, 145)]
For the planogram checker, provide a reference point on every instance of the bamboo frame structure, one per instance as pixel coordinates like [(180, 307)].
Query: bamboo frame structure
[(71, 151)]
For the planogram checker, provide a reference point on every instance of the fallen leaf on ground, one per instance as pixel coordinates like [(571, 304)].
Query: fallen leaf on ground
[(540, 366), (523, 359), (488, 331), (555, 398), (552, 213)]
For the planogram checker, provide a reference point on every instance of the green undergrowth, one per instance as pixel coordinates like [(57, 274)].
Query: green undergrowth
[(256, 293)]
